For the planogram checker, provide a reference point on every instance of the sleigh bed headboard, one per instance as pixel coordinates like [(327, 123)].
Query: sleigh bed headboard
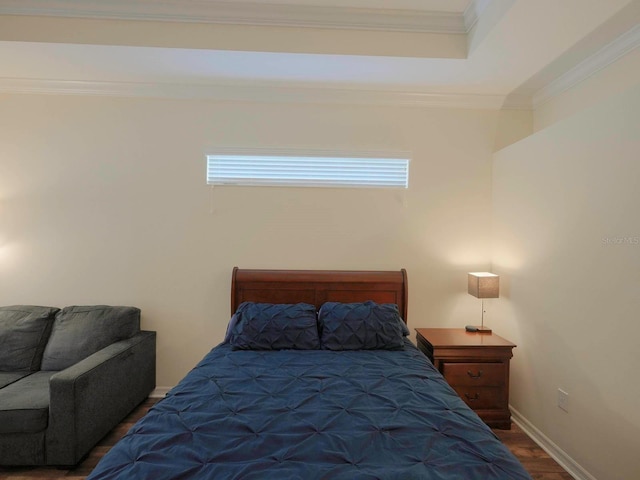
[(319, 286)]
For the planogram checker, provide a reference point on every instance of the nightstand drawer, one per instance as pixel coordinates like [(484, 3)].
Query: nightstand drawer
[(476, 366), (481, 397), (475, 374)]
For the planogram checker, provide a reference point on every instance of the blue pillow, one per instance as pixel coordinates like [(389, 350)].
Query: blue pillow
[(361, 326), (274, 326)]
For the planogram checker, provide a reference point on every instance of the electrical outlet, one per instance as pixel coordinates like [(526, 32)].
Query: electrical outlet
[(563, 400)]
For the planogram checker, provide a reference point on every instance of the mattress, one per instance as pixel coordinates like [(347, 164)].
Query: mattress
[(311, 414)]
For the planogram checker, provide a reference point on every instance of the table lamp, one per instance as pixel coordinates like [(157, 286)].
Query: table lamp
[(482, 285)]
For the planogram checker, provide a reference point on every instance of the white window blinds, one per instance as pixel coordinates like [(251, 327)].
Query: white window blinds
[(307, 171)]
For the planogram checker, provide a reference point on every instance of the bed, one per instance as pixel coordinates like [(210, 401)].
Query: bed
[(316, 413)]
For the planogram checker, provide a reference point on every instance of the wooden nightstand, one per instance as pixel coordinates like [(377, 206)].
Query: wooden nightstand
[(476, 365)]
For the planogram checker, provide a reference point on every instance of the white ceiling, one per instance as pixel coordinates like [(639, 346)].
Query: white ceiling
[(513, 46)]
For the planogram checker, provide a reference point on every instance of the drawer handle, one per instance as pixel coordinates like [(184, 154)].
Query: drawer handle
[(478, 375), (474, 398)]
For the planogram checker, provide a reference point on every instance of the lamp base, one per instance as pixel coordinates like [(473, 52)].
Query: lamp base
[(477, 329)]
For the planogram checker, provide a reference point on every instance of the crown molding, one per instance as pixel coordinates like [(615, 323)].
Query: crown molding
[(517, 102), (473, 12), (619, 47), (265, 93), (247, 13)]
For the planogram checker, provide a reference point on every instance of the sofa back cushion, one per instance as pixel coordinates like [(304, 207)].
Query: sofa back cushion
[(81, 331), (24, 331)]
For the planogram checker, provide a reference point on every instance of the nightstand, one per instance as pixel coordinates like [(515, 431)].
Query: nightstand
[(476, 365)]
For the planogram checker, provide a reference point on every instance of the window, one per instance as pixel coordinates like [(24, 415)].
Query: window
[(308, 170)]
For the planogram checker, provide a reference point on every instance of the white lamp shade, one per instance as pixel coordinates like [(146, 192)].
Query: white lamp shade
[(484, 285)]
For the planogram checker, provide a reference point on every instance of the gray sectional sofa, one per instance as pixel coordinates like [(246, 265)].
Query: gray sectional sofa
[(67, 377)]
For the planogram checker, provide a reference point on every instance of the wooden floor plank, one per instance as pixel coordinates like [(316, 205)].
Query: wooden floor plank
[(535, 460)]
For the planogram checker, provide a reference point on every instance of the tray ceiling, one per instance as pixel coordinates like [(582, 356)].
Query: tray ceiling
[(426, 52)]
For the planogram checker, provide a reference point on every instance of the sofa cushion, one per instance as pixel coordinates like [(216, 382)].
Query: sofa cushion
[(7, 378), (24, 405), (80, 331), (24, 331)]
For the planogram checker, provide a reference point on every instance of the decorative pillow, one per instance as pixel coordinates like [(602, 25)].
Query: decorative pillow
[(80, 331), (271, 326), (361, 326), (24, 331)]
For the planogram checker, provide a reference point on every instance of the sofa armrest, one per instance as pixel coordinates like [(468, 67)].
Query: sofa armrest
[(90, 398)]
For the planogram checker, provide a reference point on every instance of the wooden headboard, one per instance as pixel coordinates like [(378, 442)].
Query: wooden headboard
[(319, 286)]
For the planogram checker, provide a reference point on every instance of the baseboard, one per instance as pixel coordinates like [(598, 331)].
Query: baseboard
[(160, 392), (572, 467)]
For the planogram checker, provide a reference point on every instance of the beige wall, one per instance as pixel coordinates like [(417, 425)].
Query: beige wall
[(103, 200), (513, 125), (566, 235)]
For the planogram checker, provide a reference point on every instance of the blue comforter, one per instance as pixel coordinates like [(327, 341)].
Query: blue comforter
[(311, 414)]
